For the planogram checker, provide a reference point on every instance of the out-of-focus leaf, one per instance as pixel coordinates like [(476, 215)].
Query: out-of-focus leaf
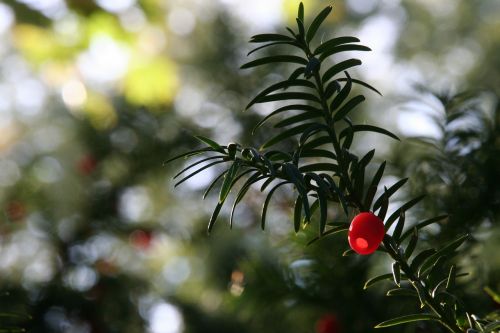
[(423, 224), (313, 28), (340, 67), (408, 319), (335, 42), (275, 59)]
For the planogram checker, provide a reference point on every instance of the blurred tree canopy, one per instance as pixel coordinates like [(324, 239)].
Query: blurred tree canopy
[(96, 95)]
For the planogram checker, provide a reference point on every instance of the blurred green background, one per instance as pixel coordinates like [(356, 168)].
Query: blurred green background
[(96, 95)]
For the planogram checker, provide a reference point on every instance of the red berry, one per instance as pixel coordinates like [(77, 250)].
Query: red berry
[(366, 233), (328, 324)]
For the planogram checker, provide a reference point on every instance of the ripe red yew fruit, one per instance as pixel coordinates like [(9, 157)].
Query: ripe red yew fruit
[(366, 233), (328, 323)]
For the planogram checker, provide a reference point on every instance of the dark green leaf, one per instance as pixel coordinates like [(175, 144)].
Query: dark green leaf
[(266, 203), (331, 88), (196, 163), (278, 86), (188, 154), (420, 258), (319, 167), (209, 188), (293, 43), (334, 230), (297, 119), (402, 292), (228, 180), (367, 158), (384, 205), (423, 224), (243, 190), (342, 48), (348, 253), (347, 107), (264, 38), (412, 243), (275, 59), (284, 109), (361, 83), (300, 14), (214, 216), (399, 226), (445, 251), (286, 135), (376, 279), (197, 172), (404, 207), (492, 327), (370, 128), (334, 42), (346, 144), (374, 185), (317, 153), (284, 96), (450, 282), (313, 28), (302, 30), (210, 143), (342, 95), (340, 67), (407, 319), (297, 213), (317, 142), (396, 273), (390, 191)]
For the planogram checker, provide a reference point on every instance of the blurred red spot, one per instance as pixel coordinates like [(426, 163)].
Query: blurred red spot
[(86, 165), (15, 210), (141, 239), (328, 324)]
